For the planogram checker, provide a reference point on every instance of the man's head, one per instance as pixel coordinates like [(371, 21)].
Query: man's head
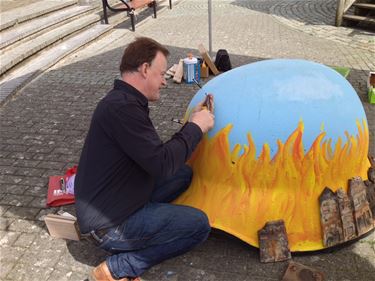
[(143, 65)]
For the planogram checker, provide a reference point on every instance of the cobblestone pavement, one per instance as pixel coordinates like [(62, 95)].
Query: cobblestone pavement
[(43, 128), (316, 18)]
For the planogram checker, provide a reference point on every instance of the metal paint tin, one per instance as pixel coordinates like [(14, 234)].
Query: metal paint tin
[(191, 70)]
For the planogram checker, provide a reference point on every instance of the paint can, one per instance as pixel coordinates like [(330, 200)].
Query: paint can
[(191, 69)]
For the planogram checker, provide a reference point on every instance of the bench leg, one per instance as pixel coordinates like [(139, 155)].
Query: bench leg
[(154, 9), (170, 4), (105, 12), (131, 13)]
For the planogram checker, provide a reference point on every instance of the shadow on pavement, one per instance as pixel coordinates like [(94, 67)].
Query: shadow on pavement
[(308, 13), (86, 252), (299, 11), (224, 257)]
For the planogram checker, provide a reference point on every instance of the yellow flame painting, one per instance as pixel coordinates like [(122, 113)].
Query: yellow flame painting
[(240, 192)]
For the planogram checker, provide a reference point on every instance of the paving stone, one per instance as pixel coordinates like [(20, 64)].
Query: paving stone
[(6, 161), (38, 202), (16, 200), (10, 254), (12, 189), (34, 181), (5, 222), (15, 147), (10, 179), (6, 267), (8, 238), (51, 165), (21, 212), (3, 209), (29, 172), (42, 148), (6, 170), (29, 226), (23, 272), (45, 259), (60, 275), (24, 240), (26, 163), (49, 157), (36, 191), (44, 242), (84, 251), (364, 249)]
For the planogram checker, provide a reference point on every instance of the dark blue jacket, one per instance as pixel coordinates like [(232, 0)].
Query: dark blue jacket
[(122, 158)]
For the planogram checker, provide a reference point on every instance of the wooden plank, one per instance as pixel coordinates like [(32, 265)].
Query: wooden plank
[(339, 12), (300, 272), (364, 6), (179, 72), (62, 227), (206, 57), (273, 242), (136, 4), (172, 69), (359, 18), (348, 4), (342, 7)]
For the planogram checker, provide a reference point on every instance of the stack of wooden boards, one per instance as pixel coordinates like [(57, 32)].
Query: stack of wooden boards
[(177, 70)]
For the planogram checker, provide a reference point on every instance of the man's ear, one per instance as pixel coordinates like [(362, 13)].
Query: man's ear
[(143, 69)]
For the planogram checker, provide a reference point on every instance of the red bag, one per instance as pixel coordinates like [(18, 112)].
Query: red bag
[(58, 194)]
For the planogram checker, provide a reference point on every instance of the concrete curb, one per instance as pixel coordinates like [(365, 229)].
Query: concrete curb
[(26, 29), (48, 58), (31, 11), (21, 52), (20, 77)]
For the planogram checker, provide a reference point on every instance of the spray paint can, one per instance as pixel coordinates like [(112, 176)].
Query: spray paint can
[(191, 69)]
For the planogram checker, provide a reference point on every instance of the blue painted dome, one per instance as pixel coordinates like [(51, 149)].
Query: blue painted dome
[(284, 131), (269, 98)]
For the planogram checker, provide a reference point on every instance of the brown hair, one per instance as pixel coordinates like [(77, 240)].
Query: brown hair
[(141, 50)]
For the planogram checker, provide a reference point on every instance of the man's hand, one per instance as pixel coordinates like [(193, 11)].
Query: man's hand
[(202, 115)]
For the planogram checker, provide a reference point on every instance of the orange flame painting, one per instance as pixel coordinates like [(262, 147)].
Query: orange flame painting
[(240, 192)]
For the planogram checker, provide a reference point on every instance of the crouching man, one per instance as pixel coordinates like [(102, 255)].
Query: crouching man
[(127, 176)]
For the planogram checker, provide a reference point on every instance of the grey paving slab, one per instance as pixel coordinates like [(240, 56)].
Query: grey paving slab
[(42, 129)]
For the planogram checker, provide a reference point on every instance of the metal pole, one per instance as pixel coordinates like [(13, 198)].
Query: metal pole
[(210, 27)]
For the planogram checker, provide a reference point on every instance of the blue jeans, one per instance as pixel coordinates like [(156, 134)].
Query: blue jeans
[(156, 232)]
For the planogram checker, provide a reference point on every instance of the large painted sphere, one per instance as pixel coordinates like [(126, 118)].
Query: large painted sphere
[(284, 130)]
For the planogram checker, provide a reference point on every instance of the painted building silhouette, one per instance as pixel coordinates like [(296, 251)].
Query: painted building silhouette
[(330, 218), (346, 216), (370, 190), (273, 242), (362, 213)]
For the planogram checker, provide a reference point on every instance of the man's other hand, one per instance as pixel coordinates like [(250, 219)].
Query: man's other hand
[(203, 117)]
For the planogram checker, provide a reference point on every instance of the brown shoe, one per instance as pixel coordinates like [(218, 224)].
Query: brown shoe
[(102, 273)]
